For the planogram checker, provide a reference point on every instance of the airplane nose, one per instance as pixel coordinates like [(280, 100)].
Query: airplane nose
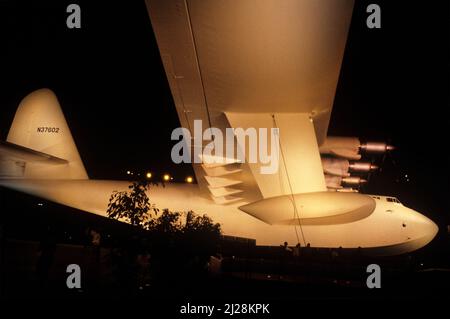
[(433, 228), (422, 230), (430, 229)]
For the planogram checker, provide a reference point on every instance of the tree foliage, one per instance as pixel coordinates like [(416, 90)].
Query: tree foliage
[(177, 241), (167, 223), (132, 206)]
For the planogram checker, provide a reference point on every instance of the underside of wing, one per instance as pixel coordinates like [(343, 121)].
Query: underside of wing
[(257, 58), (294, 166)]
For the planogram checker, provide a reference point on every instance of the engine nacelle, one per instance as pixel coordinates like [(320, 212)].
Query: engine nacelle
[(346, 147), (353, 180), (350, 147), (362, 167), (342, 167), (333, 182), (336, 182), (376, 147), (335, 166)]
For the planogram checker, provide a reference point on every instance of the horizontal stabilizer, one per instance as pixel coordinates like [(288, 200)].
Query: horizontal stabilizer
[(20, 153)]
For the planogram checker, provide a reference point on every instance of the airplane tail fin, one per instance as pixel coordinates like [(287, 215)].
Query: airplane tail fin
[(39, 126)]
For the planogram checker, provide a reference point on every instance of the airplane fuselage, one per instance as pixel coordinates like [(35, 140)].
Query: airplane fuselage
[(390, 229)]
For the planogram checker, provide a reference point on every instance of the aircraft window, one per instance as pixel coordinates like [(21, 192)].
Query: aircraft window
[(393, 200)]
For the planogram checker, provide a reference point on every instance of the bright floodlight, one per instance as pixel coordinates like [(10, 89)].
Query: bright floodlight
[(189, 179), (148, 175), (166, 177)]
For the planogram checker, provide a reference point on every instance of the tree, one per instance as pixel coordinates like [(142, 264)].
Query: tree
[(167, 223), (201, 234), (183, 242), (176, 240), (133, 205)]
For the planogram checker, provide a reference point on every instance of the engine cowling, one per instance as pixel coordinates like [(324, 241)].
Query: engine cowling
[(336, 166), (345, 147), (376, 147), (336, 182), (353, 180), (351, 147), (342, 167), (362, 167)]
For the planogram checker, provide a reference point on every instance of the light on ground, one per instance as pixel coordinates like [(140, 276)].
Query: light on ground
[(189, 179), (148, 175), (166, 177), (128, 172)]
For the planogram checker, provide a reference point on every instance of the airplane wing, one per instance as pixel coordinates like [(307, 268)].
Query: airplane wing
[(261, 64)]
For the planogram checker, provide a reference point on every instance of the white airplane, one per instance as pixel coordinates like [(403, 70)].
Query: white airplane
[(252, 63)]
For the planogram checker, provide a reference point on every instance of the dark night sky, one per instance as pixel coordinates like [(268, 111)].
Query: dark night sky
[(394, 85)]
